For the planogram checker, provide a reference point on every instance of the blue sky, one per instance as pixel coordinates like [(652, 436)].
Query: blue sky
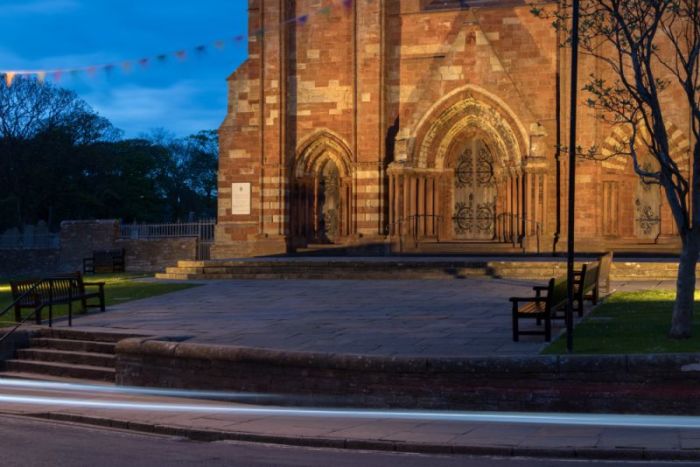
[(182, 97)]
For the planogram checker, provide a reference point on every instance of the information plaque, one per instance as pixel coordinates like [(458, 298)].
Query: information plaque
[(240, 199)]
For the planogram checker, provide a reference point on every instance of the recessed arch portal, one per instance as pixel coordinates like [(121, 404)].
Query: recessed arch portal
[(476, 146), (321, 190)]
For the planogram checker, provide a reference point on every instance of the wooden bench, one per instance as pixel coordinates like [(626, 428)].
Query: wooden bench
[(97, 290), (540, 308), (37, 294), (105, 261)]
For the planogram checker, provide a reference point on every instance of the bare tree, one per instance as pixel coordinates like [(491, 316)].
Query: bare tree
[(650, 50)]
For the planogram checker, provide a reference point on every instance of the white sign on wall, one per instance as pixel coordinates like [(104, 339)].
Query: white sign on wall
[(240, 199)]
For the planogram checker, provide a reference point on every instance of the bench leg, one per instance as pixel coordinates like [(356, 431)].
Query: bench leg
[(18, 314), (548, 328), (70, 313), (515, 323), (102, 299)]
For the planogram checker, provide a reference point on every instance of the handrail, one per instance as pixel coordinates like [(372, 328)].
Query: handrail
[(13, 304)]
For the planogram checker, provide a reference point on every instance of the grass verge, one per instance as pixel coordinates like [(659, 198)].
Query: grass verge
[(629, 323), (119, 288)]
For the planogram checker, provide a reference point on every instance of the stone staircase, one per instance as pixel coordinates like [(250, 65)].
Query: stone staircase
[(323, 269), (65, 354), (405, 268)]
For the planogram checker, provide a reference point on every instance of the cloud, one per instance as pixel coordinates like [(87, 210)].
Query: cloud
[(38, 7), (180, 108)]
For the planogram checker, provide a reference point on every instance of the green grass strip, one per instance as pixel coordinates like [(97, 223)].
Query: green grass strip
[(630, 323), (119, 288)]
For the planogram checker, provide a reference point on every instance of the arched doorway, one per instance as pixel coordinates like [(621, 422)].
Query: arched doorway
[(320, 205), (328, 204)]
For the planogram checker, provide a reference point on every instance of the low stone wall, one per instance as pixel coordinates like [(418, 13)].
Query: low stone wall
[(661, 384), (157, 254), (19, 263), (80, 238)]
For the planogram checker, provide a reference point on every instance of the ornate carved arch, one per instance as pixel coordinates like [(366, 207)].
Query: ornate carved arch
[(464, 108)]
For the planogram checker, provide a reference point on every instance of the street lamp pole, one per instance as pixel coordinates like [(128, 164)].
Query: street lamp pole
[(572, 179)]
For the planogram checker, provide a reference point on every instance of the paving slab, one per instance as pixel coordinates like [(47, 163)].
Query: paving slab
[(469, 317)]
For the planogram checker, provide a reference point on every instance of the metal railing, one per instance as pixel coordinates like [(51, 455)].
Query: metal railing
[(202, 230), (30, 242), (509, 229)]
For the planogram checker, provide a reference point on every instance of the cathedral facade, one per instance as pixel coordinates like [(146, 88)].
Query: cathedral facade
[(422, 126)]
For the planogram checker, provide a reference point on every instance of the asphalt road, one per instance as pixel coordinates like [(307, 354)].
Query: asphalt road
[(39, 443)]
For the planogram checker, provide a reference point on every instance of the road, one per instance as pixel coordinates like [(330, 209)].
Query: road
[(39, 443)]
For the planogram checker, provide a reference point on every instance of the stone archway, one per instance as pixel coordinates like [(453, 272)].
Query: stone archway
[(463, 171), (321, 191), (624, 191)]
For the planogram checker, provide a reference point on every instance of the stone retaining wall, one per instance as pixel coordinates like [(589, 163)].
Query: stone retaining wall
[(662, 384), (80, 238), (17, 263)]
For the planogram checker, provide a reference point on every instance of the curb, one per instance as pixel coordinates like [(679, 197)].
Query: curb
[(203, 435)]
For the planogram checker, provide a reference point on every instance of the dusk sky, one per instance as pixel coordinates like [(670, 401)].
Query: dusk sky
[(181, 96)]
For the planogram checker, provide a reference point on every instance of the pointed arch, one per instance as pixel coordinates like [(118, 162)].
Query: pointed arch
[(316, 149), (464, 108), (619, 137)]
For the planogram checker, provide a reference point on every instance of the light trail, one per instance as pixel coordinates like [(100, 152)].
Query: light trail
[(186, 393), (640, 421)]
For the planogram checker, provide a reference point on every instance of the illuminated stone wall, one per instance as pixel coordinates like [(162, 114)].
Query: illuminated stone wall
[(388, 96)]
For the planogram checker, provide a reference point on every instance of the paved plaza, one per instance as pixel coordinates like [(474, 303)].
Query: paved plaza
[(469, 317)]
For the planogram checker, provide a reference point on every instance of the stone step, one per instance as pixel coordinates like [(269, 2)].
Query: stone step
[(62, 356), (73, 345), (404, 268), (320, 273), (71, 334), (64, 370)]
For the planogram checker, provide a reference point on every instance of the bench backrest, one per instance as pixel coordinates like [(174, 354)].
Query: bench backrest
[(590, 276), (20, 288), (557, 294), (54, 289), (76, 277), (605, 265)]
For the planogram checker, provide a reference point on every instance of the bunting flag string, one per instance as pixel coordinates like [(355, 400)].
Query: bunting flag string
[(127, 66)]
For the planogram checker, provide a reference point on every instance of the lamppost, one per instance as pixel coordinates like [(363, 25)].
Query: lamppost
[(572, 180)]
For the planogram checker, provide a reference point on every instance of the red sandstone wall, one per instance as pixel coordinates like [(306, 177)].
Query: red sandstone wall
[(370, 75)]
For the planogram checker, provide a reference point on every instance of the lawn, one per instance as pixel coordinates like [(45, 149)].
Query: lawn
[(119, 288), (630, 322)]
